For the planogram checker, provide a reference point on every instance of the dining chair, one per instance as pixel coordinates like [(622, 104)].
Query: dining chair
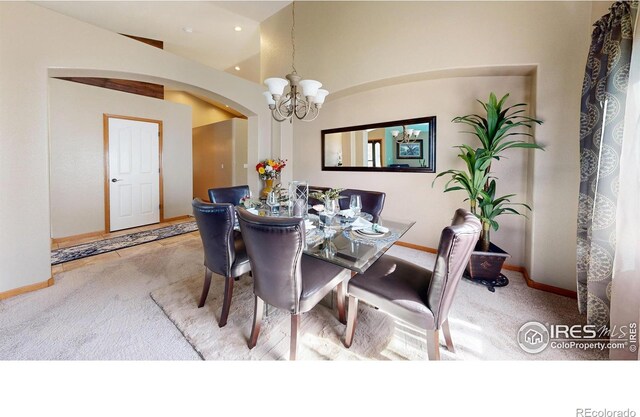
[(231, 195), (224, 250), (372, 201), (313, 201), (416, 295), (284, 277)]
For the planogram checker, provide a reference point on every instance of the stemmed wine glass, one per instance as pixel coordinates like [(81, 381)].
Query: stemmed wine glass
[(272, 201), (355, 204)]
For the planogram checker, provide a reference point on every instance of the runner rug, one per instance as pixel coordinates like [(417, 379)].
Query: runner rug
[(120, 242)]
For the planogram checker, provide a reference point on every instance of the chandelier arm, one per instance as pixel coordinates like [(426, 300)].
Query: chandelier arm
[(277, 116), (282, 103), (315, 111), (302, 108)]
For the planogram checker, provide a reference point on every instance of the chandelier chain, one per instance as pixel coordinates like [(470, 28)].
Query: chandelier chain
[(293, 37)]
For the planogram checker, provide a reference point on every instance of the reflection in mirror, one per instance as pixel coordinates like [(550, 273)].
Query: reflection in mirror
[(401, 145)]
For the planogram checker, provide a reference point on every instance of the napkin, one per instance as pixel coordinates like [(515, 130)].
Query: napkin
[(253, 211), (308, 225), (362, 224), (348, 213)]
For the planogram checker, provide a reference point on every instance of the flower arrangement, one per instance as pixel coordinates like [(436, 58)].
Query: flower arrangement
[(270, 168), (332, 194)]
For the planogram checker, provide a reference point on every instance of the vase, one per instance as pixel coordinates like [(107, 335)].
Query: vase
[(268, 187)]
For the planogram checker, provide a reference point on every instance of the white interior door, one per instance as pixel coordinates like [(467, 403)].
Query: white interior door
[(134, 173)]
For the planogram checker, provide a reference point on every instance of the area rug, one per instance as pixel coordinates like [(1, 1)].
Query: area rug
[(484, 325), (120, 242), (319, 338)]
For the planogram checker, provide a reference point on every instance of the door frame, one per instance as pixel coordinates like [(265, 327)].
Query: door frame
[(107, 195)]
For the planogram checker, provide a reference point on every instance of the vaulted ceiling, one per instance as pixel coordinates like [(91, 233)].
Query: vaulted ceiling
[(203, 31)]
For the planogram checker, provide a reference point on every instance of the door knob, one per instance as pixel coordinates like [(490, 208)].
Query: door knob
[(116, 180)]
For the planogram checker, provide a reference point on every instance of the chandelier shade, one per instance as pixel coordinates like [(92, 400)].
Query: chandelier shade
[(408, 135)]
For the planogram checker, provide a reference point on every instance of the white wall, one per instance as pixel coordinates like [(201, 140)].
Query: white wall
[(77, 154), (439, 40), (36, 43)]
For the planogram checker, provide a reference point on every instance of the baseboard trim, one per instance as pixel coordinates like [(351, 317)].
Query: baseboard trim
[(530, 283), (77, 237), (173, 219), (27, 288), (102, 232), (416, 247)]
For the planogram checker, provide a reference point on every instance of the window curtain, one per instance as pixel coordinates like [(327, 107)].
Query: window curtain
[(625, 294), (602, 116)]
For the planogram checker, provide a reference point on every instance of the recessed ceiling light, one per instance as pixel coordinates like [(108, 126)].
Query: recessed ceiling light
[(187, 29), (237, 68), (237, 28), (226, 105)]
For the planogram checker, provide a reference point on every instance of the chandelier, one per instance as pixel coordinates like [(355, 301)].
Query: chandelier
[(408, 135), (304, 98)]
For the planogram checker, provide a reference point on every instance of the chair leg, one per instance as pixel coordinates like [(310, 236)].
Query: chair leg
[(226, 303), (293, 346), (351, 321), (205, 288), (447, 336), (341, 294), (433, 345), (257, 321)]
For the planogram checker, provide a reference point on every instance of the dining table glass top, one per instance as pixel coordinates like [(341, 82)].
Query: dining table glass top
[(353, 243)]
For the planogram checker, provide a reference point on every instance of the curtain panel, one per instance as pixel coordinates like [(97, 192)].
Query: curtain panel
[(602, 115)]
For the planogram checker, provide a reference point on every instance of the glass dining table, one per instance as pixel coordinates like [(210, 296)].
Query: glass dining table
[(348, 242), (352, 243)]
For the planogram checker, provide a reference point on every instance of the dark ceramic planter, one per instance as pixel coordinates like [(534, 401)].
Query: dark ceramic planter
[(486, 265)]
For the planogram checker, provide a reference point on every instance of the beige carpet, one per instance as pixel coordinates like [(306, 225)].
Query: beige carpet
[(483, 324)]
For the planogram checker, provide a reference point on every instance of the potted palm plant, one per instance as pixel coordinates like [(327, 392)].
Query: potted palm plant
[(495, 132)]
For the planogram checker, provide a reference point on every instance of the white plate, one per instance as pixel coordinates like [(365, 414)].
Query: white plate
[(370, 233)]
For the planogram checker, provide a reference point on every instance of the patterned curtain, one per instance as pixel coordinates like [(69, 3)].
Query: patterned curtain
[(604, 93)]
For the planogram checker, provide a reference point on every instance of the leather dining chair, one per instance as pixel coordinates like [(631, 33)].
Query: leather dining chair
[(231, 195), (224, 250), (283, 277), (414, 294), (313, 201), (372, 201)]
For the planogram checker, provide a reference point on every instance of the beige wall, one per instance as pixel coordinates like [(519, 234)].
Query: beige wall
[(36, 43), (240, 156), (203, 113), (440, 41), (218, 156), (410, 195), (212, 157), (76, 153)]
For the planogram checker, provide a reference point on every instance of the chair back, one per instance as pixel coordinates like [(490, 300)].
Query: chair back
[(274, 246), (230, 195), (372, 201), (454, 250), (215, 223), (313, 201)]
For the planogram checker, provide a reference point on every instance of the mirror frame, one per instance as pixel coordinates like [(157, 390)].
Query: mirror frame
[(430, 156)]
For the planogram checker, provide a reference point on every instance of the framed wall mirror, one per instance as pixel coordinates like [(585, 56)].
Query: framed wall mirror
[(397, 146)]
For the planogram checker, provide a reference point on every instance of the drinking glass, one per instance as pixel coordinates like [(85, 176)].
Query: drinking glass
[(355, 204), (331, 208), (272, 202)]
